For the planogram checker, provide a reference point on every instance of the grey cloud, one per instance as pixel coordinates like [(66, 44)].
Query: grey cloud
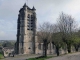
[(47, 10)]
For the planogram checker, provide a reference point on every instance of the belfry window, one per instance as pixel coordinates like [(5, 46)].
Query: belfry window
[(31, 16), (32, 29), (28, 16)]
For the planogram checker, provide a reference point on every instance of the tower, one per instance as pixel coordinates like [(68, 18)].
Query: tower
[(26, 30)]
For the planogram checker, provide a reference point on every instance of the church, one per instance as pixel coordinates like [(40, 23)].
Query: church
[(27, 42), (26, 30)]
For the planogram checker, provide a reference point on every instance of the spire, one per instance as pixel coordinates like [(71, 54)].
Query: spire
[(24, 5), (33, 8)]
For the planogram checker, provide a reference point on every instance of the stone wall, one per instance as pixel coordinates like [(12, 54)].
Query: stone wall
[(53, 49)]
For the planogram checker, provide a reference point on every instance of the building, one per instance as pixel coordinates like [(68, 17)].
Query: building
[(7, 51), (26, 30), (27, 42)]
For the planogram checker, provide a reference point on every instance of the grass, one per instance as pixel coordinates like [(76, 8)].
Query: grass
[(40, 58), (1, 55)]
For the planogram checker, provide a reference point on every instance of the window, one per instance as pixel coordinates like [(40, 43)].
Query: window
[(31, 29), (28, 22), (28, 29), (27, 25), (31, 19), (28, 16), (31, 26), (31, 23), (31, 16)]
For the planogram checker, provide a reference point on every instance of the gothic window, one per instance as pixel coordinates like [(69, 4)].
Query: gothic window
[(28, 29), (28, 16), (32, 20), (31, 16), (31, 29), (31, 25)]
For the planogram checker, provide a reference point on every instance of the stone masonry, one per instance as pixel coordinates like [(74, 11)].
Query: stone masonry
[(26, 31)]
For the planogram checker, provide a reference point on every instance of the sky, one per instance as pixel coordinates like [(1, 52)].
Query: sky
[(46, 10)]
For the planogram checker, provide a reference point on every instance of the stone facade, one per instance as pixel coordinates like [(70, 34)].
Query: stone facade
[(26, 31)]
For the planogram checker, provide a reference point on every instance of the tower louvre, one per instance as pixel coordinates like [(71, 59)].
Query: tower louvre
[(26, 30)]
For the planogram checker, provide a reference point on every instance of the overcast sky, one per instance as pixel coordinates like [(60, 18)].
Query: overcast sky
[(47, 11)]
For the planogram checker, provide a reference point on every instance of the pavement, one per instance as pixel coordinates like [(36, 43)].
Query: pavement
[(73, 56)]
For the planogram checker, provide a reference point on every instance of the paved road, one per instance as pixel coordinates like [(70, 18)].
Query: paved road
[(74, 56), (20, 57)]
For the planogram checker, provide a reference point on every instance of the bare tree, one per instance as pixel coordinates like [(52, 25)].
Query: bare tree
[(56, 38), (44, 34), (66, 27)]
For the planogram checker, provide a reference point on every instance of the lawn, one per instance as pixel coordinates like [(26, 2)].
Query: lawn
[(1, 56), (41, 58)]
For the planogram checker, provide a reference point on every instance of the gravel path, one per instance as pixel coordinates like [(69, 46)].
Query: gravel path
[(73, 56)]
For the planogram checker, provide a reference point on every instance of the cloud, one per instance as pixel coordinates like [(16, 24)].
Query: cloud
[(2, 33), (47, 11), (73, 6)]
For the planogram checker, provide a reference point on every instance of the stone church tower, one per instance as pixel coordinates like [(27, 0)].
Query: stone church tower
[(26, 30)]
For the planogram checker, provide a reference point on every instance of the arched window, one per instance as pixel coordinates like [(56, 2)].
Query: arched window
[(28, 16), (31, 16)]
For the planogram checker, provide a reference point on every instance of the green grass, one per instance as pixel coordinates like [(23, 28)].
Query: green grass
[(1, 56), (40, 58)]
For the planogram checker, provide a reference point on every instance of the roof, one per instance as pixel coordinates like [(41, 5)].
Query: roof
[(33, 8), (24, 6)]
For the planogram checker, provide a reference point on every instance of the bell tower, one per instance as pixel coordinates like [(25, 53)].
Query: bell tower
[(26, 30)]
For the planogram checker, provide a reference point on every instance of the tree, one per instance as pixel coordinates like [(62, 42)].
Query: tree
[(56, 38), (76, 38), (43, 34), (66, 27), (8, 44)]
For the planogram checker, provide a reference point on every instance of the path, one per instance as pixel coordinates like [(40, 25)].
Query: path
[(73, 56)]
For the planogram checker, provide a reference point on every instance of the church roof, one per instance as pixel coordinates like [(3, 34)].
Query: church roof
[(33, 8), (24, 6)]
